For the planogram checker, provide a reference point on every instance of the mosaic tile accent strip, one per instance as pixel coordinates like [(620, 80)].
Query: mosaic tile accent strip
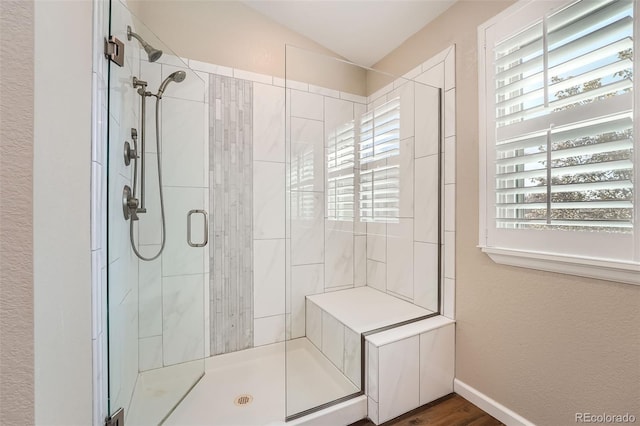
[(231, 233)]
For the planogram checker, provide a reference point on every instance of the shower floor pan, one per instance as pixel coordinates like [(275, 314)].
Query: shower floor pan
[(260, 386), (240, 388)]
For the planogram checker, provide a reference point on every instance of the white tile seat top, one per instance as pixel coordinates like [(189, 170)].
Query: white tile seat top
[(364, 309)]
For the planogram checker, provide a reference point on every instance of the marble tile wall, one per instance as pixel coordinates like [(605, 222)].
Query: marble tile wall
[(172, 288), (269, 223), (408, 367), (402, 255), (231, 300), (340, 344)]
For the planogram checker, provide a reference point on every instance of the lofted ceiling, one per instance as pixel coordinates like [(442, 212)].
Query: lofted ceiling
[(362, 31)]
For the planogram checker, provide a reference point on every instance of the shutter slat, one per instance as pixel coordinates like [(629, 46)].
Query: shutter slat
[(575, 12), (607, 70), (570, 205), (560, 29), (561, 103), (573, 63), (590, 94), (596, 148), (614, 123), (594, 56), (577, 80), (572, 187), (560, 171), (616, 30), (565, 222)]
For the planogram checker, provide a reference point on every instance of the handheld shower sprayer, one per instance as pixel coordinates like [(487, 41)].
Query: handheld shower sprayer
[(131, 200), (177, 76), (153, 53)]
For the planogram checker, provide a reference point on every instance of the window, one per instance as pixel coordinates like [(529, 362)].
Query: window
[(557, 138), (363, 165), (378, 155), (340, 172)]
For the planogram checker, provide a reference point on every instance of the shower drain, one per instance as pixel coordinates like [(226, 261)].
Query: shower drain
[(243, 400)]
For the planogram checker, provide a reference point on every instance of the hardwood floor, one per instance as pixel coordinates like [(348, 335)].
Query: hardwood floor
[(451, 410)]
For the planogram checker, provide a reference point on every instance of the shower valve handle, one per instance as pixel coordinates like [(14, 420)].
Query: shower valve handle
[(129, 204), (130, 152)]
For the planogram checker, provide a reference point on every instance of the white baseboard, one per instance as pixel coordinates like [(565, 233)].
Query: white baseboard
[(489, 405)]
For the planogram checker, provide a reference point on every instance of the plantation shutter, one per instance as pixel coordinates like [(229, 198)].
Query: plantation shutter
[(340, 173), (564, 121), (378, 153)]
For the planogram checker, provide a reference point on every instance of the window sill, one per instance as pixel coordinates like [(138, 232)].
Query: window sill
[(623, 272)]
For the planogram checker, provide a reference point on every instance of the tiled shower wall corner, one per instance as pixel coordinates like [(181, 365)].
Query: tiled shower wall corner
[(402, 258), (391, 245)]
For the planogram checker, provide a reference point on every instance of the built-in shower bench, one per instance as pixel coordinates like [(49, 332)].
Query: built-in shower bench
[(363, 309), (406, 366)]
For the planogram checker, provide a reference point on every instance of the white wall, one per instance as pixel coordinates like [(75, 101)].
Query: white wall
[(61, 205)]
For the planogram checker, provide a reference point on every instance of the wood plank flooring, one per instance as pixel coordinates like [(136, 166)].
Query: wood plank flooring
[(451, 410)]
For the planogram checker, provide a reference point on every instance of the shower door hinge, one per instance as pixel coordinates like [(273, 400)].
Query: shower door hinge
[(116, 420), (114, 50)]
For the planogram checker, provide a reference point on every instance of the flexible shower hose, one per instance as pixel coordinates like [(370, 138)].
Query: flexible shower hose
[(135, 174)]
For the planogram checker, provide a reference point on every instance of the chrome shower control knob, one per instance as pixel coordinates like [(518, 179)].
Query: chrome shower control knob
[(129, 204), (129, 153)]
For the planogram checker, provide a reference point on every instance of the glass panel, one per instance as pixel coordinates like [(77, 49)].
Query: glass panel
[(359, 166), (156, 315)]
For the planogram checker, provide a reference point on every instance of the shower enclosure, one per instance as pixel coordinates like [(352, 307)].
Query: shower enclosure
[(300, 215)]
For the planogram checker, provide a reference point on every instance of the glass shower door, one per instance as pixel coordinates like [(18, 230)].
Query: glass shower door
[(158, 255)]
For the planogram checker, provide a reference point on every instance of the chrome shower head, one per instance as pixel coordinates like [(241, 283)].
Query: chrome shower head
[(153, 53), (177, 76)]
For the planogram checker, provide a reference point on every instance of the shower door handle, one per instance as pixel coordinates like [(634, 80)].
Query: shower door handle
[(205, 238)]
